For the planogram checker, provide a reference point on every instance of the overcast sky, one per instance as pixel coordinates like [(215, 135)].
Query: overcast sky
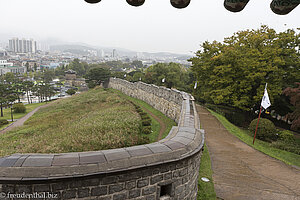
[(153, 27)]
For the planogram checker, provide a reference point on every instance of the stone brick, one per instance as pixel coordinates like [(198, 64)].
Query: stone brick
[(90, 182), (120, 196), (130, 185), (149, 190), (59, 186), (109, 180), (69, 194), (97, 191), (105, 198), (42, 188), (19, 189), (168, 176), (183, 172), (83, 192), (116, 188), (151, 197), (156, 179), (134, 193), (143, 183)]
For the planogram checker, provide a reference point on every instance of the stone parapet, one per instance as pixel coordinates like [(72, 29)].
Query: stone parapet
[(167, 169)]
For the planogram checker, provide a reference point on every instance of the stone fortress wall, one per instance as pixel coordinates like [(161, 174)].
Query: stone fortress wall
[(167, 169)]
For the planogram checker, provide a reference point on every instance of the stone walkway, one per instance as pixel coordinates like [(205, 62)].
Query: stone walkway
[(20, 122), (241, 172)]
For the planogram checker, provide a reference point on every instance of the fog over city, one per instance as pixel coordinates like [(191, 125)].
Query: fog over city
[(155, 26)]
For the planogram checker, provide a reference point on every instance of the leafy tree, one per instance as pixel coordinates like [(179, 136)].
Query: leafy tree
[(28, 85), (294, 94), (96, 76), (70, 91), (234, 72), (175, 75), (48, 76), (27, 67), (78, 67)]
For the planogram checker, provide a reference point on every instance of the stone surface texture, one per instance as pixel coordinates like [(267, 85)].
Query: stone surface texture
[(164, 169)]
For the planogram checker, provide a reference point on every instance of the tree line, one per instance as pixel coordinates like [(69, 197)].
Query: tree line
[(14, 86)]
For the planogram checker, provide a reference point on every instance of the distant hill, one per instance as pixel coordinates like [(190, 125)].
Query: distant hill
[(83, 48)]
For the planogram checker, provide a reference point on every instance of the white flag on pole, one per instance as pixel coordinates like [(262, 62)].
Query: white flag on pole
[(195, 86), (163, 80), (265, 102)]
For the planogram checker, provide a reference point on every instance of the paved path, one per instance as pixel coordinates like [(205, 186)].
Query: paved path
[(241, 172), (20, 122)]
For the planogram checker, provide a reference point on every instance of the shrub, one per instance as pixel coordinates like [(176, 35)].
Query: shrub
[(70, 91), (3, 122), (139, 110), (287, 137), (145, 117), (266, 130), (146, 122), (146, 130), (19, 108)]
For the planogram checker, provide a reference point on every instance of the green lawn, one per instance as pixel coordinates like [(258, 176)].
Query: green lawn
[(94, 120), (287, 157), (29, 108), (7, 113), (155, 124), (206, 190)]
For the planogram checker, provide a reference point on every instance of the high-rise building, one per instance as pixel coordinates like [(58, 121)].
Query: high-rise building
[(22, 46)]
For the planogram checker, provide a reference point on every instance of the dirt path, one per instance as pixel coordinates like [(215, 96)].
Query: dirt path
[(241, 172), (161, 123), (21, 121)]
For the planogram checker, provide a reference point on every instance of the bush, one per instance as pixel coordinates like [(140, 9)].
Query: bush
[(70, 91), (146, 122), (19, 108), (146, 130), (266, 130), (287, 137), (3, 122), (145, 117)]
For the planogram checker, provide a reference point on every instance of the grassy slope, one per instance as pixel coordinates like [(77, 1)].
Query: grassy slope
[(155, 125), (206, 190), (93, 120), (287, 157)]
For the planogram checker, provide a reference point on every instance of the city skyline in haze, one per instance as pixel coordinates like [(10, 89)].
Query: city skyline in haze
[(155, 26)]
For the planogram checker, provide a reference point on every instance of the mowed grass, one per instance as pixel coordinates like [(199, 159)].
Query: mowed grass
[(155, 126), (95, 120), (285, 156), (206, 190), (29, 108)]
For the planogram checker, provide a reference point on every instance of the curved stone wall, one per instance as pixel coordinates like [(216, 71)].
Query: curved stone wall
[(167, 169)]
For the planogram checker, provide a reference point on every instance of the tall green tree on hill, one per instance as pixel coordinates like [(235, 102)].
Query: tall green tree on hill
[(234, 72), (96, 76), (175, 75)]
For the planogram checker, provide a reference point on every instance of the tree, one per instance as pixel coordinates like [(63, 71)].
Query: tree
[(234, 72), (48, 76), (294, 94), (96, 76), (70, 92), (78, 67), (175, 75), (28, 85), (27, 67)]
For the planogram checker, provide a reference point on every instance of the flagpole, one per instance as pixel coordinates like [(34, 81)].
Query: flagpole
[(257, 124)]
